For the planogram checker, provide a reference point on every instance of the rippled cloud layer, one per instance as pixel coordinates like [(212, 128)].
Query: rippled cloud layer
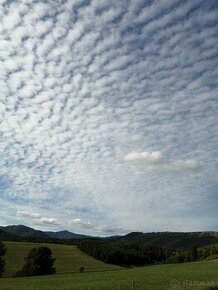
[(108, 114)]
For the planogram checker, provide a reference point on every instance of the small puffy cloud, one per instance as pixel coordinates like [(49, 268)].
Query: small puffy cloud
[(81, 224), (155, 161), (11, 20), (147, 157), (22, 214), (37, 218)]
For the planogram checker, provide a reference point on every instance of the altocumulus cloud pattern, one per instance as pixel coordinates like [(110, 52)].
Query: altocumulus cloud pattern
[(108, 114)]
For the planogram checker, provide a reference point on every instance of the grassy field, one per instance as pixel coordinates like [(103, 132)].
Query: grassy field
[(199, 275), (68, 258)]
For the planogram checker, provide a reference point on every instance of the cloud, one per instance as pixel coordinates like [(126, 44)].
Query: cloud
[(183, 165), (46, 221), (147, 157), (155, 161), (21, 214), (78, 222), (37, 218), (106, 229)]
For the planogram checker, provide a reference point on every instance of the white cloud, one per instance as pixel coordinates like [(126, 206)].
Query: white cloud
[(46, 221), (37, 218), (147, 157), (11, 20), (155, 161), (21, 214), (81, 224), (183, 165)]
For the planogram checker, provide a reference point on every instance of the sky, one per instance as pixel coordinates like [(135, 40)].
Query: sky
[(109, 115)]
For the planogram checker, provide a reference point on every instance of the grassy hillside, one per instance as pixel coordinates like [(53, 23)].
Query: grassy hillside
[(168, 276), (68, 258)]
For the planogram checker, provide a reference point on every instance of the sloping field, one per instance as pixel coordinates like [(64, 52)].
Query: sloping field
[(199, 276), (68, 258)]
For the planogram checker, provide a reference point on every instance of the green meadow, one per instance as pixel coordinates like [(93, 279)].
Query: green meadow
[(199, 275), (68, 258)]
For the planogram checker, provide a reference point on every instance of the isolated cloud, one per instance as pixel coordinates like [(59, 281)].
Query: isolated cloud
[(78, 222), (147, 157), (155, 161), (46, 221), (25, 214)]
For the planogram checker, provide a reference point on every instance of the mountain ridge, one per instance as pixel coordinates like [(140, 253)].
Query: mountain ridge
[(64, 234), (177, 240)]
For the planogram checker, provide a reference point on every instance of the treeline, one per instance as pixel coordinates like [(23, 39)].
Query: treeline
[(124, 253), (208, 252), (140, 254), (2, 260)]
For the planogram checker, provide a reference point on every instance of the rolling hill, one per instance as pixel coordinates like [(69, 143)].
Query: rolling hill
[(68, 258)]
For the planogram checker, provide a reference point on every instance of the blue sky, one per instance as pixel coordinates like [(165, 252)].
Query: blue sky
[(109, 115)]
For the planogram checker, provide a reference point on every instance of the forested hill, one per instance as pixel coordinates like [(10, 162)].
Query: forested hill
[(5, 236), (133, 252), (21, 232), (24, 232), (140, 249), (173, 240)]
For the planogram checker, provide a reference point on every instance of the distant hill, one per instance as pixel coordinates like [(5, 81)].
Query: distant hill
[(65, 235), (24, 231), (18, 232), (173, 240)]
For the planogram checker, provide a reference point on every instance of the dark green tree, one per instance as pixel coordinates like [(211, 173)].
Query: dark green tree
[(194, 254), (39, 261), (2, 261), (81, 269)]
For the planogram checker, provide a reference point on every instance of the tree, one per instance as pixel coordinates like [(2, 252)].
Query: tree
[(2, 261), (39, 261), (81, 269), (194, 254)]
